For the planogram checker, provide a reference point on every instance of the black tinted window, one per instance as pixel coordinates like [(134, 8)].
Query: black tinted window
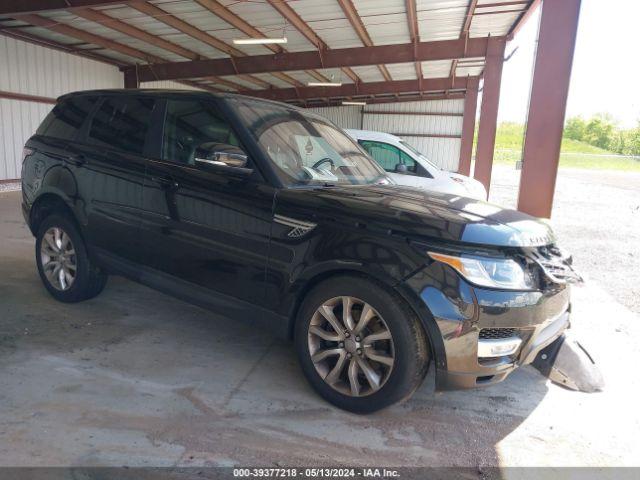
[(190, 124), (122, 123), (67, 117)]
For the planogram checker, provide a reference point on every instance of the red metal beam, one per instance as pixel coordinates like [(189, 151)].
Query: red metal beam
[(335, 58), (26, 98), (188, 29), (134, 32), (351, 13), (489, 110), (414, 31), (85, 36), (547, 106), (291, 16), (533, 5), (9, 8), (468, 127), (71, 49), (239, 23), (468, 18), (391, 100), (369, 88)]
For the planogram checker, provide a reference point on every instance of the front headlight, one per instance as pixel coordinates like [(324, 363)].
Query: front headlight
[(503, 273)]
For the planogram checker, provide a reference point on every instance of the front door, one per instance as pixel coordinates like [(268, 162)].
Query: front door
[(209, 228)]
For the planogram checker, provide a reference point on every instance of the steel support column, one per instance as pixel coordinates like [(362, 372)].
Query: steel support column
[(131, 79), (552, 71), (489, 110), (468, 126)]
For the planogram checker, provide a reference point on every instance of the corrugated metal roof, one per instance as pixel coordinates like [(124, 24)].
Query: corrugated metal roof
[(386, 22)]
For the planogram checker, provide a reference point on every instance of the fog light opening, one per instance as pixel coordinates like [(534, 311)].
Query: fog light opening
[(501, 347)]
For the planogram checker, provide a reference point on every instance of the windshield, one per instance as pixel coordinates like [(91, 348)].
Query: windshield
[(417, 153), (305, 148)]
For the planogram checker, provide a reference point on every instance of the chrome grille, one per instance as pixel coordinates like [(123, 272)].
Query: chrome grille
[(497, 333)]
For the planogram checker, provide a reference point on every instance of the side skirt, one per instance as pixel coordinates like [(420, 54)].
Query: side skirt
[(216, 302)]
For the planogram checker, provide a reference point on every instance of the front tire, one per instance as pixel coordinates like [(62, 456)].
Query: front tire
[(63, 264), (360, 346)]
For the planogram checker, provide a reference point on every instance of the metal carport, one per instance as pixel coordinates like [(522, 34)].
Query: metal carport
[(374, 51)]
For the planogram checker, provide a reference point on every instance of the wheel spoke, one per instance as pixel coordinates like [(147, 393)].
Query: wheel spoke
[(50, 265), (347, 318), (57, 234), (334, 374), (323, 334), (378, 357), (323, 354), (372, 377), (367, 314), (62, 278), (353, 378), (51, 242), (64, 241), (327, 312), (374, 337)]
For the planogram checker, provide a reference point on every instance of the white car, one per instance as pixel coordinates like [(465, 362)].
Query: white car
[(406, 166)]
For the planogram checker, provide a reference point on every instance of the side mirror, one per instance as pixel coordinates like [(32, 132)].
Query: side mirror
[(222, 157), (401, 168)]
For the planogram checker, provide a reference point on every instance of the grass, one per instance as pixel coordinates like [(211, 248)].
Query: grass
[(573, 154)]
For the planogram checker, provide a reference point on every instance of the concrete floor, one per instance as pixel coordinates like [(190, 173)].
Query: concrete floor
[(137, 378)]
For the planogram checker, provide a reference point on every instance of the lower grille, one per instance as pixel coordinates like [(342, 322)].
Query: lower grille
[(497, 333)]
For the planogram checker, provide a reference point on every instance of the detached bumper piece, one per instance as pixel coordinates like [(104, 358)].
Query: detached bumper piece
[(567, 363)]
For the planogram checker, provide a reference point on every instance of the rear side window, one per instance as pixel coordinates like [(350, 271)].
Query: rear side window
[(188, 125), (122, 123), (67, 118)]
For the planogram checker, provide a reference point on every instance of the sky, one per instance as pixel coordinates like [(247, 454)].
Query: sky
[(606, 65)]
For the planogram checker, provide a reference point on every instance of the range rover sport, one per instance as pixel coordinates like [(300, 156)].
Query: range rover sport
[(264, 212)]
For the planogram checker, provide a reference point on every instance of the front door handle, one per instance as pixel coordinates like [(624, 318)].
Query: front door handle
[(166, 182)]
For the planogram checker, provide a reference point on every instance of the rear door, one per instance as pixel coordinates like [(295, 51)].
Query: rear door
[(111, 165), (209, 228)]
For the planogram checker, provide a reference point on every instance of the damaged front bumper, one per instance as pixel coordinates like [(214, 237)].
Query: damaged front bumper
[(487, 333)]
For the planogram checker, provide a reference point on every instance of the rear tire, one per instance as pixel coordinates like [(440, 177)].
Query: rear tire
[(381, 335), (63, 264)]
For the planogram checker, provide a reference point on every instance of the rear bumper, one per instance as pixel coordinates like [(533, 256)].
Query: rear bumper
[(461, 311)]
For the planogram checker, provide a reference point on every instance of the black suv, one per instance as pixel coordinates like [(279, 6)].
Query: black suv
[(264, 212)]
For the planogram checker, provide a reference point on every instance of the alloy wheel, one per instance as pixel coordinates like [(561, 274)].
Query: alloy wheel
[(58, 258), (351, 346)]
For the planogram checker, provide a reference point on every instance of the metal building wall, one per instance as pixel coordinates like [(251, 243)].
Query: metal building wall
[(344, 117), (168, 84), (33, 70), (436, 136)]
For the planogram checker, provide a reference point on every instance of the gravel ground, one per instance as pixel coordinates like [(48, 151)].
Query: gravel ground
[(9, 187), (596, 217)]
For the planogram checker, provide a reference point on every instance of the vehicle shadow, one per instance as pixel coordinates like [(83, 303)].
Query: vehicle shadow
[(190, 388)]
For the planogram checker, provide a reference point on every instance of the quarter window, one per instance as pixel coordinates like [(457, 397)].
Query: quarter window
[(388, 156), (190, 124), (67, 117), (122, 123)]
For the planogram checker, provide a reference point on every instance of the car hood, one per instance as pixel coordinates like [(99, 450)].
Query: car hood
[(416, 213)]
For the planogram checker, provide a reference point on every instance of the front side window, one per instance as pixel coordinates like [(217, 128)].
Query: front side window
[(418, 154), (305, 148), (122, 123), (388, 156), (189, 125), (67, 117)]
